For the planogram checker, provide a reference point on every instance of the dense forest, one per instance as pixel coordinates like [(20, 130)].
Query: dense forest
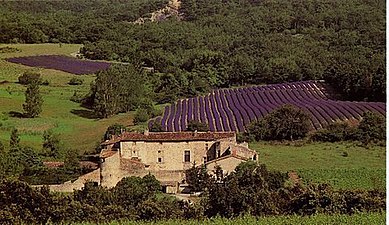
[(215, 44)]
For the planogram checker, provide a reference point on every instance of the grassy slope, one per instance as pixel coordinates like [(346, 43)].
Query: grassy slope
[(59, 113), (326, 162), (320, 219)]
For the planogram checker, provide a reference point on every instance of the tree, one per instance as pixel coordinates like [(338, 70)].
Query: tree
[(29, 77), (194, 125), (118, 89), (197, 178), (14, 139), (114, 129), (34, 101), (51, 144), (372, 127), (71, 163), (284, 123)]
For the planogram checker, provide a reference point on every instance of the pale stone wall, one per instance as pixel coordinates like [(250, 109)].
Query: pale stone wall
[(227, 164), (70, 186), (110, 171), (171, 154)]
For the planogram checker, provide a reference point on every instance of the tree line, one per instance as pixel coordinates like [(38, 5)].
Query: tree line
[(227, 43), (250, 189)]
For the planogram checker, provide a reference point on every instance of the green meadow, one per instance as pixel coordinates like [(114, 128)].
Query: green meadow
[(76, 125), (345, 165), (319, 219)]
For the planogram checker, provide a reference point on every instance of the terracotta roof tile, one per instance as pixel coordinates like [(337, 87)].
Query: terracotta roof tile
[(176, 136)]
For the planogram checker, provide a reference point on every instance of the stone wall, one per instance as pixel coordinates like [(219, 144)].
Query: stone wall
[(169, 155), (70, 186)]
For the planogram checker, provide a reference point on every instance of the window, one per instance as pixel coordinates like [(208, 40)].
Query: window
[(187, 156), (159, 151), (160, 160)]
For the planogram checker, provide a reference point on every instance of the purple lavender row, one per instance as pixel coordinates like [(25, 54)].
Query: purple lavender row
[(190, 109), (164, 118), (63, 63), (215, 112), (196, 109), (171, 117), (229, 115), (209, 114), (202, 109), (222, 112), (183, 115), (237, 115), (176, 121)]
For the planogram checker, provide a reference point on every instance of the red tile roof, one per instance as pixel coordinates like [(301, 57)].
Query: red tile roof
[(176, 136)]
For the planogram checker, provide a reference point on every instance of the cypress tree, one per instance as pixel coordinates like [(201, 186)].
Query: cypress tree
[(34, 101)]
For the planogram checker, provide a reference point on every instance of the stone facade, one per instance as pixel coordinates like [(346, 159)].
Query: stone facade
[(167, 155)]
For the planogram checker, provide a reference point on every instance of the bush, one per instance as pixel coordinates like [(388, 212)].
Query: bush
[(284, 123), (338, 131), (29, 77), (141, 116), (194, 125), (114, 129), (75, 81), (372, 127)]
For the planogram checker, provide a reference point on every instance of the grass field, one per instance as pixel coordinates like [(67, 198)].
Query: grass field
[(77, 128), (344, 165), (320, 219)]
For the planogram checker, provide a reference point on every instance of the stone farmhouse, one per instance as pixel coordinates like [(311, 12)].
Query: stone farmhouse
[(167, 155)]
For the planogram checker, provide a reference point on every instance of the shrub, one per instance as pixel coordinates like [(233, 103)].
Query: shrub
[(284, 123), (372, 127), (141, 116), (29, 77), (194, 125), (75, 81), (338, 131), (114, 129)]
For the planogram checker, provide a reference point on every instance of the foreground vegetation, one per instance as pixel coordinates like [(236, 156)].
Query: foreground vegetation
[(318, 219), (251, 189)]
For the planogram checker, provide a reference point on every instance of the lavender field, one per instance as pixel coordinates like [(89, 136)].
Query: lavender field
[(63, 63), (233, 109)]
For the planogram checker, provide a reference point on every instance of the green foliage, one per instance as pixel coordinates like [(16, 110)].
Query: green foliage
[(285, 123), (346, 179), (34, 101), (334, 132), (51, 144), (221, 44), (141, 116), (156, 127), (14, 139), (197, 177), (71, 163), (197, 126), (118, 89), (29, 77), (75, 81), (114, 129), (372, 127)]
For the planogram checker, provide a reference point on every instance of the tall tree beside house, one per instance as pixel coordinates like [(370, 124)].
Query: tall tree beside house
[(33, 104)]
